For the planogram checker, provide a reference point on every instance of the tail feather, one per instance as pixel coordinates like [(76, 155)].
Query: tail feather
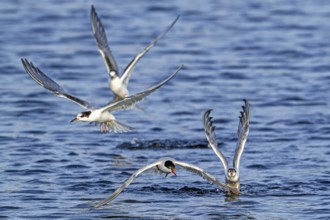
[(118, 127)]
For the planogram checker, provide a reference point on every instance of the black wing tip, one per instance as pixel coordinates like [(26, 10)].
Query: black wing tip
[(208, 111), (93, 13), (176, 19), (208, 121), (207, 114), (27, 65), (94, 16), (97, 27), (246, 103), (93, 10), (207, 118), (25, 61), (245, 114), (173, 23)]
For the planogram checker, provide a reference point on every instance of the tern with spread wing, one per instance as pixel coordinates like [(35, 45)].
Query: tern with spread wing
[(232, 173), (100, 115), (167, 166), (118, 84)]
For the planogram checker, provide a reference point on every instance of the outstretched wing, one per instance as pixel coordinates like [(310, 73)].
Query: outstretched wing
[(46, 82), (133, 99), (102, 42), (130, 67), (242, 133), (125, 184), (210, 178), (210, 135)]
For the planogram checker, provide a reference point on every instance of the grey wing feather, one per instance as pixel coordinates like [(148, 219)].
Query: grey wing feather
[(49, 84), (242, 133), (210, 136), (130, 67), (210, 178), (125, 185), (130, 101), (102, 42)]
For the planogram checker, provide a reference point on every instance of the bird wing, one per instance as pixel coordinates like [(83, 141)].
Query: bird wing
[(210, 178), (242, 133), (130, 67), (133, 99), (125, 184), (49, 84), (210, 135), (102, 42)]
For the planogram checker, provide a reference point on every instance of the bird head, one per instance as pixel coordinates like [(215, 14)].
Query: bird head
[(170, 165), (232, 172), (82, 116), (232, 175), (112, 74)]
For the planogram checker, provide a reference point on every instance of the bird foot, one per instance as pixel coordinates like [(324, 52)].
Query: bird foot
[(104, 126)]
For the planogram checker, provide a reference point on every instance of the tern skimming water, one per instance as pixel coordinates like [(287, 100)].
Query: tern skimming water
[(118, 84), (100, 115), (232, 173), (167, 166)]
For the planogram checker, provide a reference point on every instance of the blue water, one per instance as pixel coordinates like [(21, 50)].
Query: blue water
[(276, 54)]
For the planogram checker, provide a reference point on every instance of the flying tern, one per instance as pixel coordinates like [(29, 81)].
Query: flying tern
[(118, 84), (100, 115), (167, 166), (232, 173)]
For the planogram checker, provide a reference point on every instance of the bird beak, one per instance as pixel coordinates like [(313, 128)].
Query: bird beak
[(74, 120), (173, 171)]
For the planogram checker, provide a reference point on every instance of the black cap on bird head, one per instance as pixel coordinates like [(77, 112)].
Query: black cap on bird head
[(170, 165)]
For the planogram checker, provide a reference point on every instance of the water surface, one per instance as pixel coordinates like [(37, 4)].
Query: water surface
[(274, 53)]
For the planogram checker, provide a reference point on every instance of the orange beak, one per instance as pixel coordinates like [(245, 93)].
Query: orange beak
[(173, 171)]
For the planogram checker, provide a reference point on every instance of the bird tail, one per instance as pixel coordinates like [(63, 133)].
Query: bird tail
[(118, 127)]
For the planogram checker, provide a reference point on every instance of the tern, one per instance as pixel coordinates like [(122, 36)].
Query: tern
[(232, 173), (118, 84), (164, 165), (100, 115)]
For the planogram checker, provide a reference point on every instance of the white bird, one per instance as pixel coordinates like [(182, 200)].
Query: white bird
[(100, 115), (167, 166), (232, 173), (117, 84)]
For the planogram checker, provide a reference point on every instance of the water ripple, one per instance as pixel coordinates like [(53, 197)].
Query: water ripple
[(274, 53)]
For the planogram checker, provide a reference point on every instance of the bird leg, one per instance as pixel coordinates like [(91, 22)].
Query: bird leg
[(103, 127), (107, 124)]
